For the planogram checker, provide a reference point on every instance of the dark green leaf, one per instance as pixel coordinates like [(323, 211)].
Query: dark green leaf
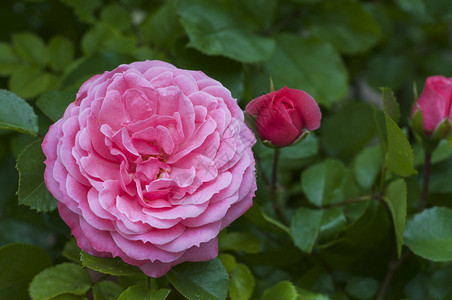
[(367, 166), (333, 221), (29, 82), (310, 65), (305, 228), (63, 278), (19, 263), (239, 241), (9, 60), (400, 158), (362, 287), (281, 291), (112, 266), (297, 155), (32, 189), (214, 30), (71, 251), (346, 25), (429, 234), (30, 48), (84, 9), (391, 106), (396, 198), (202, 280), (142, 292), (103, 37), (348, 130), (106, 290), (61, 52), (17, 114), (242, 283), (116, 16), (54, 103)]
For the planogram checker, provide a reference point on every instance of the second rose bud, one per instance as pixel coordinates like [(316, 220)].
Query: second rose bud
[(282, 116)]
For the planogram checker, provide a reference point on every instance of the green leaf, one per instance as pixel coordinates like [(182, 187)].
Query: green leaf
[(103, 37), (61, 52), (9, 60), (367, 166), (396, 198), (106, 290), (239, 241), (32, 189), (84, 9), (242, 283), (202, 280), (346, 25), (142, 292), (305, 227), (299, 154), (228, 261), (284, 290), (17, 114), (362, 287), (307, 295), (348, 130), (333, 221), (61, 279), (214, 30), (308, 64), (19, 263), (30, 48), (400, 158), (116, 16), (71, 251), (429, 234), (328, 182), (113, 266), (54, 103), (391, 106), (29, 82)]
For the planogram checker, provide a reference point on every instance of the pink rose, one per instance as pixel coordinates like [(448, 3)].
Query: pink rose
[(282, 115), (435, 102), (149, 164)]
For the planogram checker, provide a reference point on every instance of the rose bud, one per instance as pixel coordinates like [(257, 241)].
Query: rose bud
[(433, 108), (149, 163), (282, 116)]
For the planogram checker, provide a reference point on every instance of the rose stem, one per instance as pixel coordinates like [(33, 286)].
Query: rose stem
[(395, 264), (275, 173)]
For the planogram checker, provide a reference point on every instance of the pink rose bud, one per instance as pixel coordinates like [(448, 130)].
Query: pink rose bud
[(149, 163), (435, 102), (282, 115)]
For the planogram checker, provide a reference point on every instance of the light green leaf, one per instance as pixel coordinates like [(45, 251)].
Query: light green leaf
[(61, 279), (202, 280), (19, 263), (84, 9), (400, 158), (228, 261), (396, 198), (391, 106), (284, 290), (346, 25), (307, 295), (367, 166), (30, 48), (242, 283), (308, 64), (71, 251), (429, 234), (142, 292), (106, 290), (305, 227), (214, 30), (239, 241), (328, 182), (61, 51), (54, 103), (32, 189), (113, 266), (103, 37), (17, 114), (29, 82), (9, 60), (362, 287)]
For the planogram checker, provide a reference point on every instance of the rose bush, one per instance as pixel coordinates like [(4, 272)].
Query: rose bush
[(435, 102), (282, 115), (149, 163)]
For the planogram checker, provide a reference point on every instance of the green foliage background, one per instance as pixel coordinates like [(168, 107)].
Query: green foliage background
[(347, 222)]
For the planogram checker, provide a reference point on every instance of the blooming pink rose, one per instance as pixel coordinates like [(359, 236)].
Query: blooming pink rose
[(149, 164), (282, 115), (435, 102)]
